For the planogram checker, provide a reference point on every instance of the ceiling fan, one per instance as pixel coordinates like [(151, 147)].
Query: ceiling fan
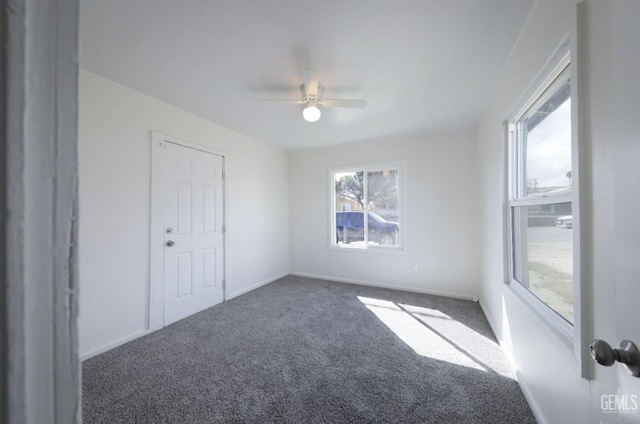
[(312, 97)]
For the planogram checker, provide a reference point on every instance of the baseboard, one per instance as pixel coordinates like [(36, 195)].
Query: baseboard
[(112, 345), (94, 352), (384, 286), (491, 321), (537, 413), (499, 336), (255, 286)]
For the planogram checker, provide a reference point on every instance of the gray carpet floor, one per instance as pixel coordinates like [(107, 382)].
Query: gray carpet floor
[(301, 350)]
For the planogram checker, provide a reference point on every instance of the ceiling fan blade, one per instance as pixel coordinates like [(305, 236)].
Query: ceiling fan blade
[(282, 101), (347, 103), (310, 79)]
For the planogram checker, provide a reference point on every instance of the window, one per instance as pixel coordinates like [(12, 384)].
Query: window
[(541, 205), (366, 207)]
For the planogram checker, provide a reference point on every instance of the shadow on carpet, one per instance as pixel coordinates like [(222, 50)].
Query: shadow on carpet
[(301, 350)]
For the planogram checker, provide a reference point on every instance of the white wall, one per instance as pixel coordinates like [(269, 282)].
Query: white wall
[(546, 366), (115, 166), (441, 215), (547, 25)]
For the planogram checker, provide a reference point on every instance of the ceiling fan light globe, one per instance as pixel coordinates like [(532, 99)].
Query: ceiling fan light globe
[(311, 113)]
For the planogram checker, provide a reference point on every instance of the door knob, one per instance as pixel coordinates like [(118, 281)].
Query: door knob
[(169, 243), (628, 354)]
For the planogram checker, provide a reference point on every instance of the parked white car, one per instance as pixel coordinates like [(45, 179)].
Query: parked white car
[(565, 221)]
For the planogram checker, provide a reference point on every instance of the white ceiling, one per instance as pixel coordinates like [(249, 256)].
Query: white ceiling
[(422, 65)]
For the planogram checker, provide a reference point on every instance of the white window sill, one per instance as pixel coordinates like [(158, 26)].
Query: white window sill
[(393, 250), (548, 317)]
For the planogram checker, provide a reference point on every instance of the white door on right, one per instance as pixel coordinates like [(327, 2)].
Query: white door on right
[(626, 136), (619, 391)]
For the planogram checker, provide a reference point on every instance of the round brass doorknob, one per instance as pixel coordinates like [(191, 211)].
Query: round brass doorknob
[(169, 243)]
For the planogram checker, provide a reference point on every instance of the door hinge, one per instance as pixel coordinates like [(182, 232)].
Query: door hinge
[(224, 229), (224, 283), (223, 174)]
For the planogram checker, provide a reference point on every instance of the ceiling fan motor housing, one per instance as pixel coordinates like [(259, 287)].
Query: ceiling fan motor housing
[(310, 97)]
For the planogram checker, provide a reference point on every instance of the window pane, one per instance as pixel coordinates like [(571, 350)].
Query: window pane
[(349, 201), (543, 254), (383, 206), (367, 207), (546, 136)]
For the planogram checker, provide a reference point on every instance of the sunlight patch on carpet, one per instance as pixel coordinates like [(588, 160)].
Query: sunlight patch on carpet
[(474, 344), (436, 335)]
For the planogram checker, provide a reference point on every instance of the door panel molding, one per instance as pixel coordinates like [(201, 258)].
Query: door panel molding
[(156, 260)]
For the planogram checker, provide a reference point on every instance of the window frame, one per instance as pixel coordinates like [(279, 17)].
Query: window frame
[(365, 168), (572, 336)]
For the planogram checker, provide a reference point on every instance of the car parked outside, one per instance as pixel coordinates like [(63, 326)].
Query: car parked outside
[(350, 228), (565, 221)]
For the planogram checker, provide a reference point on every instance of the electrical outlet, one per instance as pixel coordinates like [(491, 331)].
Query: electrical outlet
[(415, 267)]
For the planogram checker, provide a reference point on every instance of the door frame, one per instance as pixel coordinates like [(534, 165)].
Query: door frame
[(156, 235), (39, 364)]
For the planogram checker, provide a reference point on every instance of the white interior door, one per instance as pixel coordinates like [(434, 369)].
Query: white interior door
[(192, 208), (626, 136), (617, 295)]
